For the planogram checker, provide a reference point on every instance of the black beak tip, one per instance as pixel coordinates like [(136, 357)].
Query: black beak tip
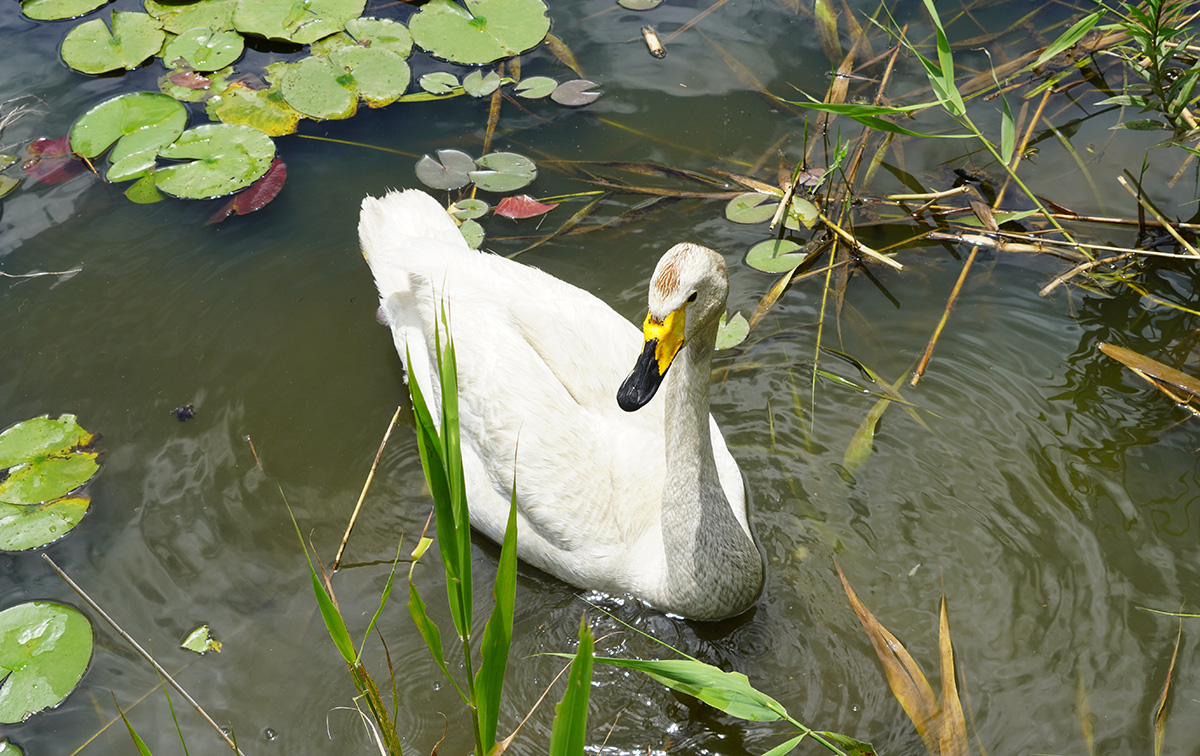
[(639, 388)]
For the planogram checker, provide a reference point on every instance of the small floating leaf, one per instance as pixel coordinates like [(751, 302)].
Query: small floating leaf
[(449, 171), (438, 82), (478, 85), (732, 332), (92, 48), (259, 194), (7, 748), (204, 49), (177, 17), (505, 171), (535, 87), (381, 33), (469, 209), (290, 21), (51, 161), (473, 233), (751, 208), (7, 184), (575, 93), (32, 526), (804, 211), (54, 10), (6, 160), (317, 89), (378, 75), (774, 256), (223, 158), (262, 109), (45, 459), (201, 641), (481, 32), (186, 85), (44, 650), (144, 191), (639, 5), (523, 207)]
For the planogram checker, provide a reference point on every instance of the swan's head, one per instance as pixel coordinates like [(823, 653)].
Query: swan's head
[(687, 297)]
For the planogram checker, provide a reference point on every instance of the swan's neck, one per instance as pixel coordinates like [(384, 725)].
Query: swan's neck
[(714, 569)]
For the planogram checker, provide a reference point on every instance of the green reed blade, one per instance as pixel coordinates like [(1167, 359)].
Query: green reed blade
[(570, 715)]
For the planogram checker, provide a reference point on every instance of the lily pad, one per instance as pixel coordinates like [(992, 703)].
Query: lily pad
[(774, 256), (93, 49), (317, 89), (804, 211), (469, 209), (504, 172), (481, 32), (7, 184), (187, 85), (141, 124), (201, 641), (438, 82), (54, 10), (732, 332), (448, 171), (204, 49), (223, 159), (258, 195), (45, 459), (478, 85), (33, 526), (8, 748), (51, 161), (639, 5), (524, 206), (381, 33), (262, 109), (44, 650), (535, 87), (177, 17), (473, 233), (299, 21), (575, 93), (379, 75), (144, 191), (751, 208)]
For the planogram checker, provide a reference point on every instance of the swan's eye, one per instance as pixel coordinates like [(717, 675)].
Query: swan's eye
[(693, 297)]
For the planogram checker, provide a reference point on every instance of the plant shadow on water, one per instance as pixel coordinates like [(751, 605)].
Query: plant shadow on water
[(1047, 492)]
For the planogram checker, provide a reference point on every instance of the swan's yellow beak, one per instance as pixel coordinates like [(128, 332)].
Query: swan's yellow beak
[(663, 341)]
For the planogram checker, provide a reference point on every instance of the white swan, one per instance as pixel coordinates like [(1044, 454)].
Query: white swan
[(648, 503)]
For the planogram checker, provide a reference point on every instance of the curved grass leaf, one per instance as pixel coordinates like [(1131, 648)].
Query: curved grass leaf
[(497, 634), (731, 692), (569, 733), (45, 648), (1068, 38)]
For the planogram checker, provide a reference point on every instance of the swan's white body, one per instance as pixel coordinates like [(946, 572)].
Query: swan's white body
[(539, 364)]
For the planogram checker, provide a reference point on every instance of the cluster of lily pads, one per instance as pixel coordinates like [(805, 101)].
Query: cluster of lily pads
[(773, 255), (350, 60)]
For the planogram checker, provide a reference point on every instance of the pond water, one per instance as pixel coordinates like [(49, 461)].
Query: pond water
[(1047, 494)]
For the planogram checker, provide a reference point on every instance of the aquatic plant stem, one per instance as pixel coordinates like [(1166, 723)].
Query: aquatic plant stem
[(140, 651), (1157, 216), (337, 560), (937, 332)]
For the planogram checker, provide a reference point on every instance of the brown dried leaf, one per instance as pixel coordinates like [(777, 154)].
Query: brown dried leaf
[(1160, 708), (1153, 369), (559, 49), (904, 677), (952, 736)]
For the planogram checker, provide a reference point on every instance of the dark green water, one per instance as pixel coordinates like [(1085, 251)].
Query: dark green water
[(1051, 497)]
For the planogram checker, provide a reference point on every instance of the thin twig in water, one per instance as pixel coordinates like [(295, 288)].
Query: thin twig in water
[(945, 316), (141, 652), (76, 269), (856, 244), (254, 451), (1158, 216), (1080, 269), (357, 507)]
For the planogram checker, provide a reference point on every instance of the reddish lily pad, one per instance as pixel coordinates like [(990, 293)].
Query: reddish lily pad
[(523, 206), (257, 195), (51, 161)]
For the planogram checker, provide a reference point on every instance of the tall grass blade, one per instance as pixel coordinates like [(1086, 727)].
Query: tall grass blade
[(497, 634), (162, 683), (827, 30), (428, 629), (851, 746), (448, 373), (863, 442), (943, 81), (137, 739), (1160, 708), (786, 746), (1069, 37), (731, 692), (904, 677), (334, 624), (567, 738), (953, 729), (383, 599)]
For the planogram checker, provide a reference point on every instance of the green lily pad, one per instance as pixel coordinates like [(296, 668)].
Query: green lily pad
[(262, 109), (141, 124), (7, 160), (44, 650), (751, 208), (144, 191), (204, 49), (317, 89), (438, 82), (804, 211), (223, 159), (54, 10), (469, 209), (93, 49), (481, 32), (379, 75), (7, 748), (299, 21), (774, 256), (448, 171), (639, 5), (7, 184), (473, 233), (33, 526), (45, 459), (177, 17), (201, 641), (187, 85), (504, 172), (478, 85), (381, 33), (732, 332), (535, 87)]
